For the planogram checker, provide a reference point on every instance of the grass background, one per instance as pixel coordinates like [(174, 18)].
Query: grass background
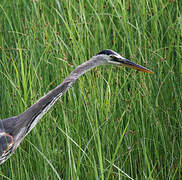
[(115, 123)]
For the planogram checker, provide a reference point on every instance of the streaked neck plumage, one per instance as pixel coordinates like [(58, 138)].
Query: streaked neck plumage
[(25, 122)]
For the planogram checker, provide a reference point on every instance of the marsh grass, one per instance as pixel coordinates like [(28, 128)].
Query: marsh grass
[(115, 123)]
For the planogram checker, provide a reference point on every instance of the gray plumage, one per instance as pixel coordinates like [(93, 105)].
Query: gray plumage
[(13, 130)]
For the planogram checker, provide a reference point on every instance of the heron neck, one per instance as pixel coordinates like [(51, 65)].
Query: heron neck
[(83, 68), (37, 110)]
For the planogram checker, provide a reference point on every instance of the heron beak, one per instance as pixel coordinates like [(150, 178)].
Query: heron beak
[(127, 63)]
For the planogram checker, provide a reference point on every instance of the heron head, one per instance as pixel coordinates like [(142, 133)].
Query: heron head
[(116, 59)]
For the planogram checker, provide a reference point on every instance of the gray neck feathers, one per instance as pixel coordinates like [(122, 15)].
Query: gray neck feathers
[(18, 127), (83, 68), (37, 110)]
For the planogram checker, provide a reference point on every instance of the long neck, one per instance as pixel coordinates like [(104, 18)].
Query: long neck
[(37, 110), (17, 127)]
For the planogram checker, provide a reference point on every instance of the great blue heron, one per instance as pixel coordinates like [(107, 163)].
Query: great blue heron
[(13, 130)]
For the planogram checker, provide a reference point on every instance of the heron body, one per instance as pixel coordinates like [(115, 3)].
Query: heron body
[(13, 130)]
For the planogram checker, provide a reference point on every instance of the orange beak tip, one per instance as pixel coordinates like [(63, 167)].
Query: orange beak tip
[(149, 71)]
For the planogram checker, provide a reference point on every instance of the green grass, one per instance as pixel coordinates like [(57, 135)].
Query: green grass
[(115, 123)]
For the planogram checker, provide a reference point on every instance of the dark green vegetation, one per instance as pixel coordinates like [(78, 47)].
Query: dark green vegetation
[(115, 123)]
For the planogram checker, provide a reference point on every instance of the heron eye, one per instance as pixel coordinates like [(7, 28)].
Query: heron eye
[(114, 58)]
